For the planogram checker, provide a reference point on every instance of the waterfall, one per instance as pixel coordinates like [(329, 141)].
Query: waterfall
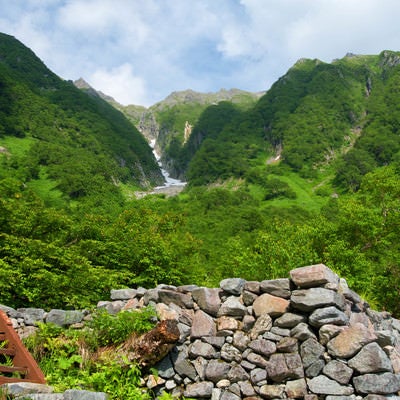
[(168, 180)]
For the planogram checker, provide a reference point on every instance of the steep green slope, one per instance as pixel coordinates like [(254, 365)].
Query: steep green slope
[(309, 120), (58, 137)]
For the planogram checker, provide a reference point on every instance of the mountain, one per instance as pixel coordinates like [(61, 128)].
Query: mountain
[(169, 123), (60, 138), (341, 115)]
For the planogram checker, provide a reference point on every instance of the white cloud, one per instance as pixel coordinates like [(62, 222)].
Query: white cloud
[(120, 83), (143, 50)]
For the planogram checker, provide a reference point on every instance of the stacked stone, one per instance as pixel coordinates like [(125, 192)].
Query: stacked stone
[(25, 320), (308, 336), (304, 337)]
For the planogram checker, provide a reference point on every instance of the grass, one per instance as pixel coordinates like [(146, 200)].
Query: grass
[(305, 189), (45, 188), (17, 146)]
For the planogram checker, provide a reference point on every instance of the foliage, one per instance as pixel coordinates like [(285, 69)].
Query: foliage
[(68, 356), (77, 142), (309, 174), (108, 329)]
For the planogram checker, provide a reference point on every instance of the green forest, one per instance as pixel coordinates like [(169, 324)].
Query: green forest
[(307, 174)]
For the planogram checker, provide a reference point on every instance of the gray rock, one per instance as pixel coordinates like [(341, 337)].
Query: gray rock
[(216, 341), (385, 338), (314, 369), (288, 345), (276, 287), (247, 365), (203, 325), (230, 353), (199, 389), (280, 331), (217, 370), (151, 295), (248, 297), (311, 351), (281, 367), (43, 396), (171, 296), (232, 285), (272, 336), (165, 368), (271, 305), (246, 389), (348, 293), (248, 322), (258, 375), (256, 359), (394, 355), (263, 347), (123, 294), (112, 307), (328, 315), (11, 312), (24, 388), (201, 349), (170, 384), (338, 371), (396, 324), (323, 385), (64, 318), (386, 383), (184, 332), (207, 299), (310, 299), (263, 324), (296, 389), (74, 394), (183, 366), (237, 373), (240, 340), (313, 275), (350, 340), (200, 365), (252, 286), (272, 391), (371, 359), (328, 332), (289, 320), (228, 395), (302, 332), (32, 315), (232, 307), (216, 394)]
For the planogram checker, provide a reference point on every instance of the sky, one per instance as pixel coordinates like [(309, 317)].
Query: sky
[(139, 51)]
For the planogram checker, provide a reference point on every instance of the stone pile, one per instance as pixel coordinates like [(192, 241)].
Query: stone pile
[(308, 336)]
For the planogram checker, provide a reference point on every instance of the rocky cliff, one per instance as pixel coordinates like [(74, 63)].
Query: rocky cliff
[(306, 336)]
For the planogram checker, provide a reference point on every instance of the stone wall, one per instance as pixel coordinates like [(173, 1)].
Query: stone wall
[(307, 336)]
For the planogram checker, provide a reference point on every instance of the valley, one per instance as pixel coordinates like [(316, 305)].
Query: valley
[(247, 185)]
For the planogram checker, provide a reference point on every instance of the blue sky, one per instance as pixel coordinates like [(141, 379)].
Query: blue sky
[(139, 51)]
